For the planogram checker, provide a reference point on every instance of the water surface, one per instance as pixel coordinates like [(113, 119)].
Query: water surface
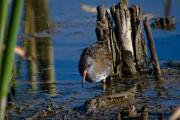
[(57, 34)]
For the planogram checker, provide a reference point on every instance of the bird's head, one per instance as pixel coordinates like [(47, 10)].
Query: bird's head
[(95, 71)]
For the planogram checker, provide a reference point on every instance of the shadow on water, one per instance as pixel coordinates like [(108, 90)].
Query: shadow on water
[(40, 95)]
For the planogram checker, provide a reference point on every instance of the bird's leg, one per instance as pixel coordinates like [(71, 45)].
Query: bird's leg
[(84, 77), (104, 84)]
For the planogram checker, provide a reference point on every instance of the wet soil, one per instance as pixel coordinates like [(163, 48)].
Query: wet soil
[(159, 98)]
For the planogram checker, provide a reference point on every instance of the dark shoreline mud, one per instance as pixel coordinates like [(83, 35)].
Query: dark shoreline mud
[(157, 99)]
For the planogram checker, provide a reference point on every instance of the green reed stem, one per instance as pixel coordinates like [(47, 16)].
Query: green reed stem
[(8, 55), (3, 19)]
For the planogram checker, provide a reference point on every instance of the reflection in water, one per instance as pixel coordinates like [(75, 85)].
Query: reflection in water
[(167, 8), (115, 86), (41, 66), (117, 93)]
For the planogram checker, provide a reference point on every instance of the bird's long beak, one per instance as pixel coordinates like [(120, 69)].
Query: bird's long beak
[(84, 77)]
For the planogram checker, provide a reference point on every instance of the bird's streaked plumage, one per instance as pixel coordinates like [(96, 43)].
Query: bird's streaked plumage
[(95, 63)]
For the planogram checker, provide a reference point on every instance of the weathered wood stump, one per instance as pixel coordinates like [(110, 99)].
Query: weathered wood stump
[(139, 45), (103, 24), (125, 39), (126, 50), (121, 16)]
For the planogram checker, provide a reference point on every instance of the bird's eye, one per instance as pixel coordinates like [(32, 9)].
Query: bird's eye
[(88, 65)]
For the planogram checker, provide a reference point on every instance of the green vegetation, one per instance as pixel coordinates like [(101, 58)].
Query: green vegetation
[(7, 54)]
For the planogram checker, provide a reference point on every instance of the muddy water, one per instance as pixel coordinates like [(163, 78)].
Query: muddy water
[(49, 86)]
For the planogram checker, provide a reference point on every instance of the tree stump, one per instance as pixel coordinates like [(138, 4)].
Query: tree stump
[(122, 30), (103, 24), (121, 16), (139, 45)]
